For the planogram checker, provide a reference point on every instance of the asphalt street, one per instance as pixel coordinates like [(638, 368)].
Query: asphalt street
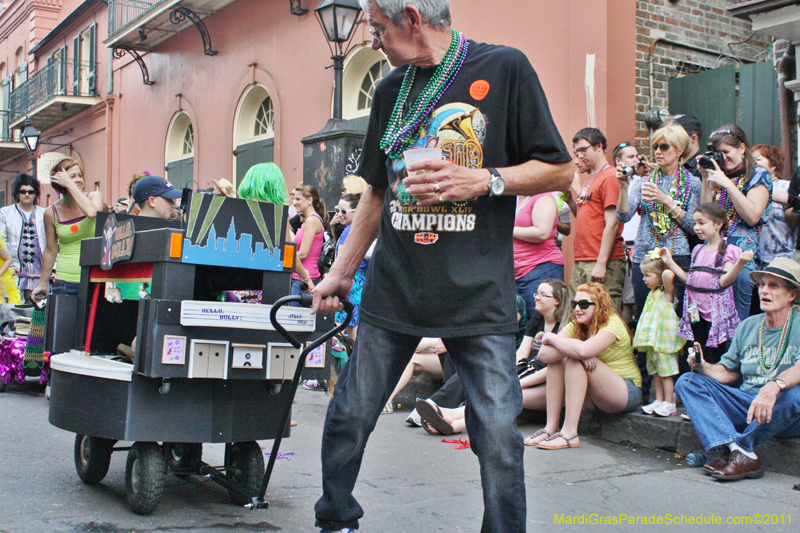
[(410, 482)]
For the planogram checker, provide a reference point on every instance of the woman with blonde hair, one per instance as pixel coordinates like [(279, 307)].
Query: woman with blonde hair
[(667, 198), (352, 184), (68, 221), (589, 362)]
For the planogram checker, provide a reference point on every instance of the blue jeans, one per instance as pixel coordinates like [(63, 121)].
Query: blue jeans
[(296, 290), (719, 413), (743, 290), (494, 399), (528, 284), (65, 287)]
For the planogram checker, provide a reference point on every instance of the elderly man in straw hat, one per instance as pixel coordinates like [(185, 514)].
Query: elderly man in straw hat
[(765, 353)]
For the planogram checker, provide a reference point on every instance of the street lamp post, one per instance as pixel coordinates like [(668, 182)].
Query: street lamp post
[(334, 151), (30, 138)]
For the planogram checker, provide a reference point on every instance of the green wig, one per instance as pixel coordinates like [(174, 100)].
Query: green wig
[(264, 182)]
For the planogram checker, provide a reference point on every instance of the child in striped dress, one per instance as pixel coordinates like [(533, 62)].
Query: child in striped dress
[(657, 333)]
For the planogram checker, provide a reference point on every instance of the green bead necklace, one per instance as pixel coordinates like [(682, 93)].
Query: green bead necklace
[(401, 132), (784, 343)]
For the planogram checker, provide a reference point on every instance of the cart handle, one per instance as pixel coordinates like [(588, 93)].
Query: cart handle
[(305, 301), (259, 501)]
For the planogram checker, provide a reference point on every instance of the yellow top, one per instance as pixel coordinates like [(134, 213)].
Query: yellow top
[(8, 283), (618, 356)]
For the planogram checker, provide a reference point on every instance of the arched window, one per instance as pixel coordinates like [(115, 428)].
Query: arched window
[(364, 68), (254, 130), (180, 151)]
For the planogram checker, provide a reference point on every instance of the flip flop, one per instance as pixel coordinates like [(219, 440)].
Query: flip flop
[(430, 413), (558, 435), (537, 434)]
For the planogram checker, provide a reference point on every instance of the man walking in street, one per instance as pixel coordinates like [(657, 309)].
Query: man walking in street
[(443, 265), (22, 229)]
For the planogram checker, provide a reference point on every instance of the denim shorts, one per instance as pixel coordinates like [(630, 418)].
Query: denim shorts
[(634, 396), (65, 287)]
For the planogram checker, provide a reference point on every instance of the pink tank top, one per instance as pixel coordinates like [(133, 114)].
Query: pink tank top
[(310, 262), (528, 255)]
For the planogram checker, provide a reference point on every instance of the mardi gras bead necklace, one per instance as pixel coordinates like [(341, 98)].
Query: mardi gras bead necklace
[(401, 132), (661, 223), (585, 190), (762, 361), (723, 199)]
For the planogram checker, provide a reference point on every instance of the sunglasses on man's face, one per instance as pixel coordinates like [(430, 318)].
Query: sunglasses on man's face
[(339, 211), (30, 192), (583, 304)]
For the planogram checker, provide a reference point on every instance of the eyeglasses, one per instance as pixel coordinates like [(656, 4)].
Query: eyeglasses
[(583, 304), (542, 295), (580, 151), (664, 147), (342, 211), (773, 286), (726, 132), (28, 192), (377, 33)]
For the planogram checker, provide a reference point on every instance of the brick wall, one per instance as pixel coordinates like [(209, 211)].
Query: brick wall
[(700, 24)]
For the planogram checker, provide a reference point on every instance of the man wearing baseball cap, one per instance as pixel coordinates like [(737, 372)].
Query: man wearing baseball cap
[(154, 195)]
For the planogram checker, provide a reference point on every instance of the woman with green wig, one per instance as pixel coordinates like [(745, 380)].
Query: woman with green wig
[(264, 182)]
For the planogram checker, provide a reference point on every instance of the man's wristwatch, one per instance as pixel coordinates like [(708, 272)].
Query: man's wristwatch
[(780, 383), (496, 183)]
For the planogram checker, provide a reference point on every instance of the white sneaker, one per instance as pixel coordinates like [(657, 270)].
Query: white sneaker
[(388, 408), (666, 409), (651, 407), (414, 419)]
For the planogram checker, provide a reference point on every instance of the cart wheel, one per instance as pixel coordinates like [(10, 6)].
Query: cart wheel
[(183, 458), (92, 457), (246, 469), (144, 477)]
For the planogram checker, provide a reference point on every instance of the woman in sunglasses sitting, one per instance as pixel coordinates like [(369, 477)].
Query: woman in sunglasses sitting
[(589, 362)]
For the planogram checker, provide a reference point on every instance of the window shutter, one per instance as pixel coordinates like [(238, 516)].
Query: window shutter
[(76, 65), (93, 59), (23, 73), (62, 70)]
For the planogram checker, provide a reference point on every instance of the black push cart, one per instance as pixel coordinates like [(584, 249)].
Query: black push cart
[(203, 370)]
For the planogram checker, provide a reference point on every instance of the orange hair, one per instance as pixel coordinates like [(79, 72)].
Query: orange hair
[(602, 315)]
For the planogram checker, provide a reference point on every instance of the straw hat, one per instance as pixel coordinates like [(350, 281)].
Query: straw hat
[(784, 268), (225, 186)]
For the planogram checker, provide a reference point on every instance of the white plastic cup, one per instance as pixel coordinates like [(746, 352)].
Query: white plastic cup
[(415, 155)]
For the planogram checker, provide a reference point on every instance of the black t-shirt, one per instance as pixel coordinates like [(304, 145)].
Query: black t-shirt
[(447, 270)]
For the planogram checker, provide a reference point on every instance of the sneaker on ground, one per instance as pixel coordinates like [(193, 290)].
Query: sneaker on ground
[(414, 419), (686, 416), (388, 408), (312, 384), (666, 409), (651, 407)]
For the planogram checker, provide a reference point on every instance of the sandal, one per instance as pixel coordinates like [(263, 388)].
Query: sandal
[(430, 413), (558, 435), (537, 434)]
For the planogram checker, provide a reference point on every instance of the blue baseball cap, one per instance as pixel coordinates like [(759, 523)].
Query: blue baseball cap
[(154, 186)]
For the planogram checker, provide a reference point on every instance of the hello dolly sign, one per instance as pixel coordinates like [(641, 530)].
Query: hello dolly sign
[(117, 241)]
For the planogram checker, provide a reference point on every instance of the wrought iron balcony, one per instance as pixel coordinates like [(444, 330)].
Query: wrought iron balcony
[(54, 93), (143, 24), (9, 147)]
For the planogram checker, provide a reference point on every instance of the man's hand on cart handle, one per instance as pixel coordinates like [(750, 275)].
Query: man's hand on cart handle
[(326, 294)]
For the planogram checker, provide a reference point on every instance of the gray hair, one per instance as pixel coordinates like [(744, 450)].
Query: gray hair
[(435, 13)]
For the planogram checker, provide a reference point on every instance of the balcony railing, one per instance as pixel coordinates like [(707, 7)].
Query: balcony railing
[(61, 77), (124, 12)]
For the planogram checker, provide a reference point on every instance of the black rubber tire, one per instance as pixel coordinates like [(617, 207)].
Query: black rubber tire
[(92, 457), (246, 469), (183, 456), (144, 477)]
